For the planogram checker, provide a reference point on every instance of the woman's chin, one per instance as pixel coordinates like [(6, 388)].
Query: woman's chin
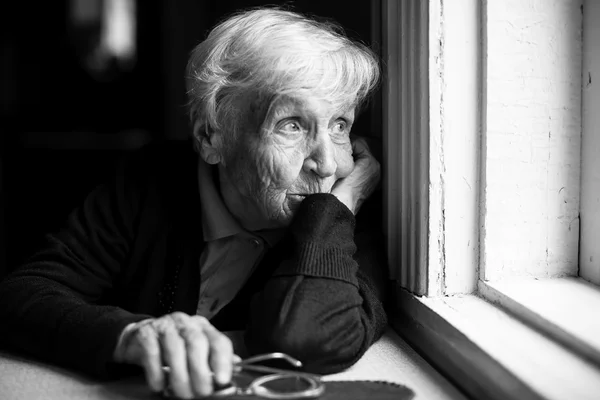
[(286, 213)]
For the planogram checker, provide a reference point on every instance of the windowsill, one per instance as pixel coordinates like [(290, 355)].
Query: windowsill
[(565, 309), (490, 353), (389, 359)]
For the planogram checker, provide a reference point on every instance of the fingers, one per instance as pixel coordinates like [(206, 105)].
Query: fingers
[(360, 147), (355, 188), (151, 359), (221, 354), (197, 348), (173, 350)]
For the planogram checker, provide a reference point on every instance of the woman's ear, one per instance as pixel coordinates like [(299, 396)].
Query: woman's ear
[(209, 143)]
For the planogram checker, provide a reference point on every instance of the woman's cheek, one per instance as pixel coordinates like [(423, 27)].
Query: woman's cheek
[(273, 169), (288, 165)]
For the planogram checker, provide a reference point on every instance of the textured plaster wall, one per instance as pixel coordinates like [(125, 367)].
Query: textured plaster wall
[(531, 163)]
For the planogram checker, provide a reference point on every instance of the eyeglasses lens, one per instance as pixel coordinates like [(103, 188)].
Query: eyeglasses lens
[(288, 384), (287, 387)]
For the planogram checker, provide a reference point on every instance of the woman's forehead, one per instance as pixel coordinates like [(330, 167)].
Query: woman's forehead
[(308, 100)]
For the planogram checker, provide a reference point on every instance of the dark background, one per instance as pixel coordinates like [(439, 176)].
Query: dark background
[(62, 128)]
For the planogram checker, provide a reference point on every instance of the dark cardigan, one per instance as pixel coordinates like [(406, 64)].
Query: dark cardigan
[(131, 251)]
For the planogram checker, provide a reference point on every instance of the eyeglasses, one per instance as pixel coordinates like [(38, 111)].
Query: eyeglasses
[(277, 384)]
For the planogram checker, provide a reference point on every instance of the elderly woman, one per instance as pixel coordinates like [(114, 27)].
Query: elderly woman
[(253, 231)]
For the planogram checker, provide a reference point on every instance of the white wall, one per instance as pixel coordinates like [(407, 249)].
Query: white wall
[(531, 163)]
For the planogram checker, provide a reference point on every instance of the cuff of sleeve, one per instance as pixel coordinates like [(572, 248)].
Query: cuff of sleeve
[(108, 331), (324, 219)]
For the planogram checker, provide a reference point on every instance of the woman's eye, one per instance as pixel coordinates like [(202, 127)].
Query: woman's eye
[(291, 127), (340, 127)]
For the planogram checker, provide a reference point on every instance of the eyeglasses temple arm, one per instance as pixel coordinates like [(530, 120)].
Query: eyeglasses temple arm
[(270, 356), (282, 372)]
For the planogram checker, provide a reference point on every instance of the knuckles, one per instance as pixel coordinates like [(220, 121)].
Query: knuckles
[(178, 318), (145, 333), (194, 336), (199, 320)]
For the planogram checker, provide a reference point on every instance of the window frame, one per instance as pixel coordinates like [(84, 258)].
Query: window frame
[(589, 257), (430, 190)]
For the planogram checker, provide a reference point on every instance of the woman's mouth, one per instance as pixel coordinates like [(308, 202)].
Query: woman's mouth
[(297, 196)]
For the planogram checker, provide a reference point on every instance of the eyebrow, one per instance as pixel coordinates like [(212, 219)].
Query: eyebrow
[(287, 101)]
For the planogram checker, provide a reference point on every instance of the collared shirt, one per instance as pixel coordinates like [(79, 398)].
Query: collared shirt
[(231, 252)]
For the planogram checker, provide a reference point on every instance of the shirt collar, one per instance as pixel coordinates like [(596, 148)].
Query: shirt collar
[(271, 236), (217, 221)]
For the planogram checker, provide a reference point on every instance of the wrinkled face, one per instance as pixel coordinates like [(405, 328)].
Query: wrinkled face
[(302, 147)]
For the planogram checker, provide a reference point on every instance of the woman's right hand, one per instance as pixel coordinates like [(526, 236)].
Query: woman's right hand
[(194, 350)]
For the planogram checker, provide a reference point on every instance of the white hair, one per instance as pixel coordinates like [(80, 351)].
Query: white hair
[(255, 55)]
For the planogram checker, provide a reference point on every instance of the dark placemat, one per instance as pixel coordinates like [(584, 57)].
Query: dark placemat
[(354, 390)]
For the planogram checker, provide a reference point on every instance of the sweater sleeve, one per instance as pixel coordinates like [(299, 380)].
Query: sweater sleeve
[(50, 306), (323, 303)]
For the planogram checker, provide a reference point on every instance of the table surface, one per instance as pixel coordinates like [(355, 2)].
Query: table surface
[(389, 359)]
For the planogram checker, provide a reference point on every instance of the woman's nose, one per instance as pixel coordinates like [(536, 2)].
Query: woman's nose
[(321, 159)]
